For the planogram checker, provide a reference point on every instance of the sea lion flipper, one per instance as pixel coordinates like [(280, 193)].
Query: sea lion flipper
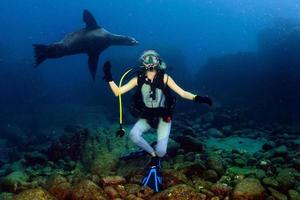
[(89, 20), (93, 63)]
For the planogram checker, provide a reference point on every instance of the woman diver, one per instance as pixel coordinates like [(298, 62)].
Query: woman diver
[(153, 104)]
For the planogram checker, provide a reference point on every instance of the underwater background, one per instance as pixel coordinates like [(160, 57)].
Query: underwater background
[(57, 125)]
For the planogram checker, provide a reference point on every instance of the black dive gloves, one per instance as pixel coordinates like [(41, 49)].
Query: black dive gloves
[(203, 99), (107, 71)]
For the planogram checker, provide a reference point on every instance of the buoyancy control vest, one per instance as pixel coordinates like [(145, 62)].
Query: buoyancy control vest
[(153, 99)]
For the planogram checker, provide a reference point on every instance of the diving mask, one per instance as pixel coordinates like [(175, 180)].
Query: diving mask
[(150, 62)]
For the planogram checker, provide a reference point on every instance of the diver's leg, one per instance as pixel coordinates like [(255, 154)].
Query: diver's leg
[(163, 132), (136, 135)]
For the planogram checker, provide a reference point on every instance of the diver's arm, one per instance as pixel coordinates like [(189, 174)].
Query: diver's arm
[(184, 94), (125, 88), (115, 89)]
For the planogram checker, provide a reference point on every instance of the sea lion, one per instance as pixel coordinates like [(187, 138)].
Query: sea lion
[(92, 40)]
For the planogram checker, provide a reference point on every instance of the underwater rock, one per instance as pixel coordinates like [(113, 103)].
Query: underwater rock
[(251, 161), (227, 129), (4, 170), (190, 156), (286, 179), (241, 143), (189, 143), (199, 183), (6, 196), (225, 180), (240, 162), (182, 192), (238, 171), (133, 197), (264, 164), (277, 195), (278, 160), (293, 195), (209, 194), (269, 145), (249, 189), (296, 163), (86, 190), (173, 147), (221, 190), (14, 181), (70, 145), (187, 130), (37, 193), (132, 188), (210, 175), (215, 162), (208, 117), (213, 132), (191, 168), (281, 150), (270, 181), (112, 180), (35, 157), (111, 192), (173, 177), (145, 193), (121, 190), (17, 166), (58, 186)]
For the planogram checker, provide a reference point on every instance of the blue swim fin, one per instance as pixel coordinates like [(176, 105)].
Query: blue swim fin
[(153, 177)]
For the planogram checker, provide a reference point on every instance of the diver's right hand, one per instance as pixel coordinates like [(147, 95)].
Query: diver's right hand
[(107, 72)]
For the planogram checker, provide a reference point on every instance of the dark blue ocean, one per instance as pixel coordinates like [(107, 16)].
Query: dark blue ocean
[(243, 54)]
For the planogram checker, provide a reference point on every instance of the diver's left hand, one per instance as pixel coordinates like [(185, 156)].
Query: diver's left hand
[(107, 71), (203, 99)]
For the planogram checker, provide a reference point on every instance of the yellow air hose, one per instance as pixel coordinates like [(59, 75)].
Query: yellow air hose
[(120, 100)]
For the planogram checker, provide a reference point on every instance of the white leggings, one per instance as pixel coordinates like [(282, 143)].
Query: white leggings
[(163, 132)]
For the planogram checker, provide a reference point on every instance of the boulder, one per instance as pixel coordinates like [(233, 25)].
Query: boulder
[(87, 190), (14, 181), (112, 180), (215, 162), (294, 195), (277, 195), (35, 157), (227, 129), (132, 188), (172, 177), (221, 190), (249, 189), (286, 179), (58, 186), (111, 192), (182, 192), (269, 145), (145, 193), (281, 150), (189, 143), (37, 193), (210, 175), (191, 168), (213, 132), (270, 181), (69, 145), (6, 196)]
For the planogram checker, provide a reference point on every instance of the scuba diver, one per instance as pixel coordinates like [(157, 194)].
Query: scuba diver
[(153, 104)]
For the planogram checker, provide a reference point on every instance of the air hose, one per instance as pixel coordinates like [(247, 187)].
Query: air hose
[(121, 131)]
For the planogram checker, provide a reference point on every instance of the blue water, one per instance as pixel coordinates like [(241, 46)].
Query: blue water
[(188, 34)]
